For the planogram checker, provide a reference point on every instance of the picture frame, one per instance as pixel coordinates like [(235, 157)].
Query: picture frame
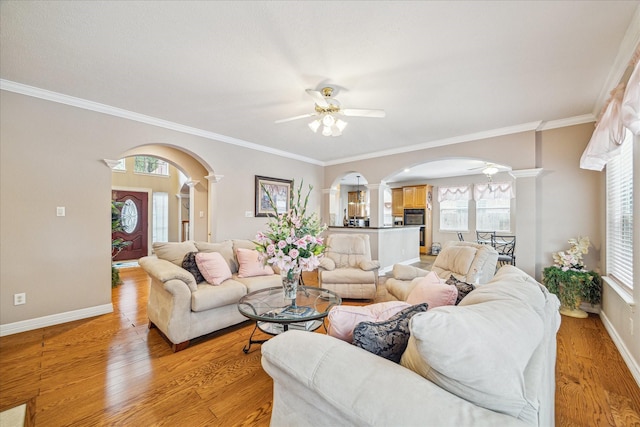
[(280, 191)]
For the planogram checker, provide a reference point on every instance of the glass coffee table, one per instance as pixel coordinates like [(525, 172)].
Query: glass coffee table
[(274, 314)]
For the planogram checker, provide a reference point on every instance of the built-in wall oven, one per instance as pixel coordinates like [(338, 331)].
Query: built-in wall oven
[(414, 217)]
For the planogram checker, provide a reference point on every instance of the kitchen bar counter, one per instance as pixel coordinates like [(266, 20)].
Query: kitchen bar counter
[(390, 245)]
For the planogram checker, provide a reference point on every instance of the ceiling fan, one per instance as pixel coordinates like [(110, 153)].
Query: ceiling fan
[(330, 112), (487, 169)]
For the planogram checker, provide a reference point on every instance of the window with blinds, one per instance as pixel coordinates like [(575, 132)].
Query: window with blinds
[(620, 215), (454, 208)]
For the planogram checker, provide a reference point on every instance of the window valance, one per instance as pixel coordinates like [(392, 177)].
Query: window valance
[(621, 112), (631, 102), (494, 191), (454, 193)]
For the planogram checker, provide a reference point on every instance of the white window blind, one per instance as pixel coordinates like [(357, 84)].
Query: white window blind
[(620, 214)]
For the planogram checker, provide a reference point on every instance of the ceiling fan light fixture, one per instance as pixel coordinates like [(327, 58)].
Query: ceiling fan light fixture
[(341, 124), (314, 126), (328, 120), (490, 170), (326, 131)]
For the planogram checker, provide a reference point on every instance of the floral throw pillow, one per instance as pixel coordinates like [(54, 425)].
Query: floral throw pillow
[(463, 288), (189, 264), (387, 339)]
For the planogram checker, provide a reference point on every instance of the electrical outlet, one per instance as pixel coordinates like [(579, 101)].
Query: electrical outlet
[(19, 299), (248, 214)]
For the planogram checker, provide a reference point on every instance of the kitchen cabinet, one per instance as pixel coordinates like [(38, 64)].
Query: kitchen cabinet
[(415, 197), (397, 202)]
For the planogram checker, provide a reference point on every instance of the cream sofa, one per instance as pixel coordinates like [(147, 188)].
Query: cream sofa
[(183, 309), (466, 261), (489, 361)]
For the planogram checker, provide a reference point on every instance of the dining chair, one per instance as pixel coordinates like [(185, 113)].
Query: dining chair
[(485, 237), (506, 247)]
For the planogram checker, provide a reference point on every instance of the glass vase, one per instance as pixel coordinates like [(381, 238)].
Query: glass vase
[(290, 280)]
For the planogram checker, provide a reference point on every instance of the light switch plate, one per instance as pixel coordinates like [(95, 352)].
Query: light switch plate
[(60, 211)]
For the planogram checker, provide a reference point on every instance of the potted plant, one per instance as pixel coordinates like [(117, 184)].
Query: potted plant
[(116, 244), (570, 280)]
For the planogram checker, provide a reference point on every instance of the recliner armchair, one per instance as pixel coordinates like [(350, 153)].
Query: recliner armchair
[(347, 268), (466, 261)]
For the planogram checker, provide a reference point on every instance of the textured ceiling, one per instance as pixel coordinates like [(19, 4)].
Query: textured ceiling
[(441, 70)]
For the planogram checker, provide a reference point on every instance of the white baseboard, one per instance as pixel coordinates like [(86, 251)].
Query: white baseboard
[(624, 352), (389, 268), (54, 319)]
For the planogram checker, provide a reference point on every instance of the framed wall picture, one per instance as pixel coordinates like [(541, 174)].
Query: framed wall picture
[(280, 191)]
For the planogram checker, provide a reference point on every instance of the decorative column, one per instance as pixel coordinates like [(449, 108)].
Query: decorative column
[(192, 208), (376, 204), (213, 206), (325, 205), (111, 163), (527, 227)]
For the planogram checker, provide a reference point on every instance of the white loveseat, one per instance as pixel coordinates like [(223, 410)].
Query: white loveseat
[(183, 309), (489, 361)]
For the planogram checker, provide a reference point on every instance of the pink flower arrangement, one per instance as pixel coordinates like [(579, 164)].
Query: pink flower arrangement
[(293, 240)]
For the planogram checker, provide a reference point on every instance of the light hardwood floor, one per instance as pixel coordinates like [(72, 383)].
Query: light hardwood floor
[(113, 370)]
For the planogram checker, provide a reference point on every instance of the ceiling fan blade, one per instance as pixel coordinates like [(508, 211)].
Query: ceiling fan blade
[(363, 113), (319, 98), (296, 118)]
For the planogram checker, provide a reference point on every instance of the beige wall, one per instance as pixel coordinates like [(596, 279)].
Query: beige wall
[(52, 155)]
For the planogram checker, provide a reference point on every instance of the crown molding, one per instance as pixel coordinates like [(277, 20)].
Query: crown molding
[(525, 127), (48, 95), (570, 121)]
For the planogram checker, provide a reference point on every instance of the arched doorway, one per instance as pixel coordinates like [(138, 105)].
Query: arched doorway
[(177, 192), (349, 202)]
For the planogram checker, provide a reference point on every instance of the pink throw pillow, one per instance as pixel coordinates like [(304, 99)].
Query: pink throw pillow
[(344, 318), (250, 264), (213, 267), (434, 291)]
